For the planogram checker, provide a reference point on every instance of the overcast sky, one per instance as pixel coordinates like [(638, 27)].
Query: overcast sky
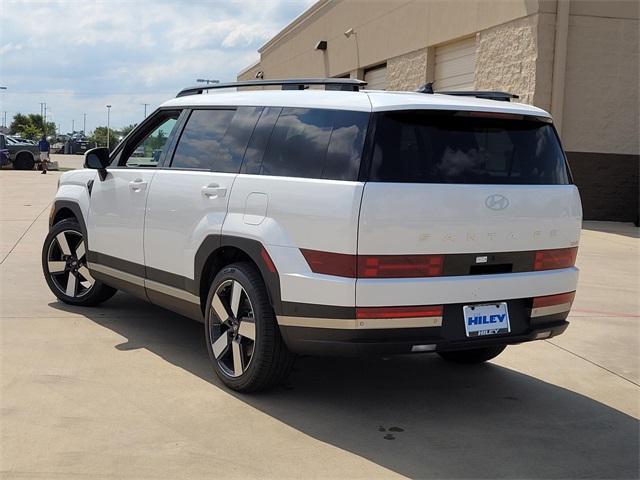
[(81, 56)]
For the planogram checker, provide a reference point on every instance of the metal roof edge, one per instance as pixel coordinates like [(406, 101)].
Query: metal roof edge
[(300, 20)]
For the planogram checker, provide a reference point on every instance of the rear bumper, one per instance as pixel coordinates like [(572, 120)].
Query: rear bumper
[(342, 337), (464, 288)]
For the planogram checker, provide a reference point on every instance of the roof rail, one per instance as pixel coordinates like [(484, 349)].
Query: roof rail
[(345, 84), (488, 95)]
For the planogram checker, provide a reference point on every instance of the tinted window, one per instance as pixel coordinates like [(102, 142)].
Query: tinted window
[(425, 147), (201, 143), (315, 143), (147, 151), (260, 140)]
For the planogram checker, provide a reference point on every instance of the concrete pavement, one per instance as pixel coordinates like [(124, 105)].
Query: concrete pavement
[(125, 390)]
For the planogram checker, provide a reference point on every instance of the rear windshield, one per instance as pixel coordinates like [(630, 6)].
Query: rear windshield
[(433, 147)]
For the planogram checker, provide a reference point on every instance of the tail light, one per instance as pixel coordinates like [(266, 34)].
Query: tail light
[(266, 258), (329, 263), (553, 300), (374, 266), (399, 312), (553, 259), (412, 266), (399, 266)]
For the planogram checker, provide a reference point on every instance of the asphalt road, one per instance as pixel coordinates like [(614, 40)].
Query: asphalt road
[(125, 390)]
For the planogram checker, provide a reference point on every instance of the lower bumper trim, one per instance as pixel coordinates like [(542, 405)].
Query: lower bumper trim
[(313, 341), (361, 323)]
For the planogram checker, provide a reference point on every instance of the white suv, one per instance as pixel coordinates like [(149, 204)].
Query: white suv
[(328, 222)]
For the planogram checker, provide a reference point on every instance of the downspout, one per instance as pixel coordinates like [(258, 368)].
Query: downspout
[(563, 8)]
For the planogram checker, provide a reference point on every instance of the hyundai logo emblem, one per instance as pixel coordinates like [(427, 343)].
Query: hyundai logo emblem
[(496, 202)]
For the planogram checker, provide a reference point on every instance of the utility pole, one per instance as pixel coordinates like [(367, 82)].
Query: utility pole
[(42, 115), (4, 122), (145, 109), (44, 120), (84, 124), (108, 124), (73, 126)]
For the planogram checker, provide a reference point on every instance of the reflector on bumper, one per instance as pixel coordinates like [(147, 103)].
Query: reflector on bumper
[(552, 304)]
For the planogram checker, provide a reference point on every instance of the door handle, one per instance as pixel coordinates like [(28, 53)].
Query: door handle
[(137, 185), (213, 190)]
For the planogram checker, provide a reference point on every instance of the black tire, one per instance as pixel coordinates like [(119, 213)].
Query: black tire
[(264, 361), (476, 355), (24, 161), (86, 290)]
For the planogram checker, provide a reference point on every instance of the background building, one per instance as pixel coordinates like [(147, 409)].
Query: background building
[(576, 58)]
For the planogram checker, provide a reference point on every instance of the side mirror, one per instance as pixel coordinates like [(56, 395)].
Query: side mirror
[(97, 159)]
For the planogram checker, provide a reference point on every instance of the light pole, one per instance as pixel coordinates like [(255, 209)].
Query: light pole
[(43, 110), (84, 124), (73, 126), (145, 109), (4, 122), (108, 124), (207, 81)]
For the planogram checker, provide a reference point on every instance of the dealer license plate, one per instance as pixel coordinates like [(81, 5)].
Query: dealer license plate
[(486, 319)]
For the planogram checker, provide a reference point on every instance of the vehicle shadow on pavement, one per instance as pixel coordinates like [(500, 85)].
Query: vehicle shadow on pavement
[(415, 415), (615, 228)]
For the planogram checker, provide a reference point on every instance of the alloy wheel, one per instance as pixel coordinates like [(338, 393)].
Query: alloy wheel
[(233, 328), (67, 264)]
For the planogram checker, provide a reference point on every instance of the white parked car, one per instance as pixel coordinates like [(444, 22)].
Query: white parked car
[(328, 222)]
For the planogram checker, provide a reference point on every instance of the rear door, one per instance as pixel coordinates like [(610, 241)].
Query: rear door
[(189, 197), (461, 182)]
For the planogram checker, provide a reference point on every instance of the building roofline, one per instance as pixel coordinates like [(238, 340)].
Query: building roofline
[(300, 20), (246, 69)]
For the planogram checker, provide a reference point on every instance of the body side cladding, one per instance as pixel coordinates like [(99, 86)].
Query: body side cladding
[(175, 292), (74, 207), (114, 278), (252, 248), (125, 266)]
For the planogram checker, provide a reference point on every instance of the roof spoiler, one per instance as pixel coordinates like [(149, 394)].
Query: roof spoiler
[(344, 84), (487, 95)]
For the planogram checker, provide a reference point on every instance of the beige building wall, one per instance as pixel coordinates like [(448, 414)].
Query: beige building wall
[(409, 71), (517, 56), (520, 46), (601, 94), (384, 29)]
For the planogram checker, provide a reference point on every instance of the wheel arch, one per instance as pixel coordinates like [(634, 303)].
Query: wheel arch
[(28, 152), (218, 251), (64, 209), (63, 213)]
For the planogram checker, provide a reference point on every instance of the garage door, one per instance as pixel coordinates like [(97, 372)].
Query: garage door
[(456, 65), (376, 78)]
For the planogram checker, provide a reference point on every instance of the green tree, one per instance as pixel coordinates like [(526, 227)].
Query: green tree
[(30, 126), (126, 130), (99, 137), (156, 141)]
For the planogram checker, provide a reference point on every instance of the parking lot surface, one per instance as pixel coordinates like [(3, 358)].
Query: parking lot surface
[(125, 390)]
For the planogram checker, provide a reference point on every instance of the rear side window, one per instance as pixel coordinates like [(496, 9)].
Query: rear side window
[(215, 139), (316, 143), (433, 147)]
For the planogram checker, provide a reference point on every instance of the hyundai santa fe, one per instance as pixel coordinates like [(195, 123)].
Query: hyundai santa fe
[(328, 221)]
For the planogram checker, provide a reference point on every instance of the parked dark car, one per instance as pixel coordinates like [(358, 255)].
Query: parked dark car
[(4, 157), (23, 156), (76, 145)]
